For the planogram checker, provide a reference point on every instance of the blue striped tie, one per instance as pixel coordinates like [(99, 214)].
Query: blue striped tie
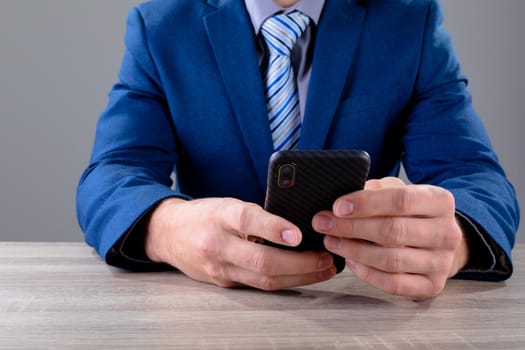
[(280, 32)]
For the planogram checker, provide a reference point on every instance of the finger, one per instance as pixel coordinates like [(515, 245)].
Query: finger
[(376, 184), (272, 283), (414, 286), (271, 261), (250, 220), (391, 260), (410, 200), (392, 231)]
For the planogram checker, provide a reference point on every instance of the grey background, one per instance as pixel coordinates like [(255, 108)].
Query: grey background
[(59, 58)]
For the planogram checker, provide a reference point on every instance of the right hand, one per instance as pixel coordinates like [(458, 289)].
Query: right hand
[(211, 240)]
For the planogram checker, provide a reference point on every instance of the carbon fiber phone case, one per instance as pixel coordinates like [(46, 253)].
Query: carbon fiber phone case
[(317, 179)]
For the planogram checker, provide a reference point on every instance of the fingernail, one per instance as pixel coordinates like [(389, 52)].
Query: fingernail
[(289, 236), (325, 262), (324, 222), (344, 208), (332, 243)]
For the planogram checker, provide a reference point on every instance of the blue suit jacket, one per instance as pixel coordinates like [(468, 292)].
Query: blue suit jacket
[(190, 97)]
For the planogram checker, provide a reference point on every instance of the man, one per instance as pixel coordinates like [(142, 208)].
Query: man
[(195, 97)]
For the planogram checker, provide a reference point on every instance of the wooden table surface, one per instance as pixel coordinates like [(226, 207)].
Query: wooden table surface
[(62, 296)]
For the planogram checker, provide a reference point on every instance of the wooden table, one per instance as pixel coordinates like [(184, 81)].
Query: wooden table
[(62, 296)]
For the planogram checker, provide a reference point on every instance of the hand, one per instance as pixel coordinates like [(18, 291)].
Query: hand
[(212, 240), (402, 239)]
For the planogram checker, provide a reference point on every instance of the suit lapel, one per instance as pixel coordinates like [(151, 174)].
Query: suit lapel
[(231, 37), (230, 33), (336, 42)]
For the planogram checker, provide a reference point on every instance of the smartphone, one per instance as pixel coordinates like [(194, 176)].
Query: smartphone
[(303, 183)]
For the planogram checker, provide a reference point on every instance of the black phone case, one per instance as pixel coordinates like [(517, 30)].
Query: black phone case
[(320, 178)]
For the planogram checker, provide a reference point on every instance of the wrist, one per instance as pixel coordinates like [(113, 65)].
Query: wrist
[(462, 252), (157, 228)]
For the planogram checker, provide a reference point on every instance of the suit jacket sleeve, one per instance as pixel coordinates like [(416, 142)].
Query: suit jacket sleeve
[(134, 151), (446, 145)]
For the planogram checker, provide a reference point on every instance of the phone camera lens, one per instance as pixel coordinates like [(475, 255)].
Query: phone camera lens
[(286, 176)]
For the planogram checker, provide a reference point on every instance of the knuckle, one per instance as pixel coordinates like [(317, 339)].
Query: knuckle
[(373, 184), (437, 286), (351, 226), (448, 200), (451, 236), (216, 273), (455, 238), (393, 286), (226, 284), (445, 198), (261, 263), (244, 216), (269, 284), (393, 262), (439, 264), (365, 275), (207, 247), (435, 265), (393, 181), (404, 199), (219, 211), (395, 232)]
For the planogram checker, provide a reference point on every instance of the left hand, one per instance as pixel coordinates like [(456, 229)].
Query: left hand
[(402, 239)]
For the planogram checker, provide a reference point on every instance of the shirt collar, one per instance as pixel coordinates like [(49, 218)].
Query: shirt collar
[(260, 10)]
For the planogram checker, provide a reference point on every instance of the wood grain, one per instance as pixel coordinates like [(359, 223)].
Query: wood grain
[(62, 296)]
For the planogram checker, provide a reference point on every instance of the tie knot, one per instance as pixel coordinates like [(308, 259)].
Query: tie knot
[(281, 31)]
